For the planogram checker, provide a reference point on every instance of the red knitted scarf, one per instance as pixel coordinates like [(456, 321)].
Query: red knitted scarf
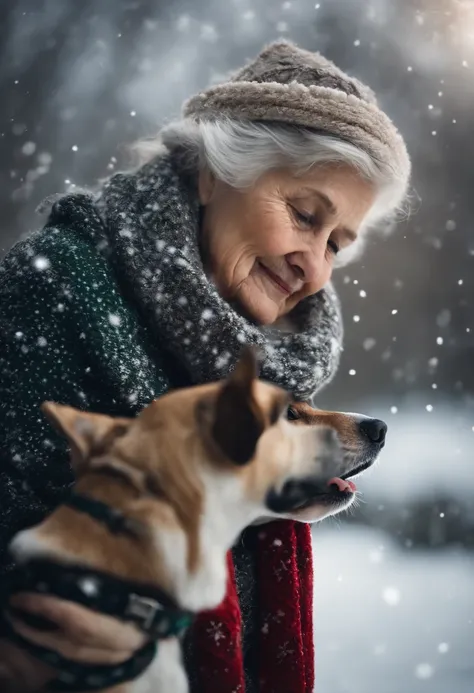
[(285, 601)]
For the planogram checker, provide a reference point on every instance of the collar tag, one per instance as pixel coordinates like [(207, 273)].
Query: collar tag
[(143, 610)]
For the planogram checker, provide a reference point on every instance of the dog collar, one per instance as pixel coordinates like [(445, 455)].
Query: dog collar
[(152, 610), (115, 521), (75, 677), (149, 608)]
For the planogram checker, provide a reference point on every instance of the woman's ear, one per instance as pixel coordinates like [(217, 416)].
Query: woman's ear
[(206, 185)]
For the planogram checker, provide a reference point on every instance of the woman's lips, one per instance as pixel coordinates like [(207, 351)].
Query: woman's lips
[(282, 285)]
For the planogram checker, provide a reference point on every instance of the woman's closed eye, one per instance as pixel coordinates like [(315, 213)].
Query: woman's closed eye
[(312, 221), (306, 219)]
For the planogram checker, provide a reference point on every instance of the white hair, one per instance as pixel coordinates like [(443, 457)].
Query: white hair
[(239, 152)]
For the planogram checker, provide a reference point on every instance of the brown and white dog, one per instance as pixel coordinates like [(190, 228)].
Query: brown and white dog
[(189, 473)]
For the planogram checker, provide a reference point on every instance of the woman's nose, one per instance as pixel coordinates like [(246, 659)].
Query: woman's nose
[(310, 267)]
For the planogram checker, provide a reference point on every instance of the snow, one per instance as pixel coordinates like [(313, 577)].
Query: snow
[(114, 320), (391, 596), (89, 586), (369, 343), (362, 646), (424, 671), (427, 452), (41, 263), (28, 148)]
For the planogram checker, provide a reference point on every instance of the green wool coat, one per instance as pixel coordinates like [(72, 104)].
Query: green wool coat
[(67, 334), (70, 333)]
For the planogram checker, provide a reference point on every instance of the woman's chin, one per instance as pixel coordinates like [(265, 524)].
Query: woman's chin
[(261, 311)]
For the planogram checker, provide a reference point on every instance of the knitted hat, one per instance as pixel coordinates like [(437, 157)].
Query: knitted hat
[(290, 85)]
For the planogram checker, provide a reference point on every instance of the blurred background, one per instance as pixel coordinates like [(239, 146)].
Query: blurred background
[(80, 81)]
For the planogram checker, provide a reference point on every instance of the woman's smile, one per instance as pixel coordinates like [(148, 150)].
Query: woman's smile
[(272, 245)]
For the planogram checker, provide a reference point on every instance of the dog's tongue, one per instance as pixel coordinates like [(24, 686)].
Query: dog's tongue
[(342, 485)]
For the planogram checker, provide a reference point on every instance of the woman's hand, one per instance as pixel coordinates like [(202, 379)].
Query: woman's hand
[(77, 633)]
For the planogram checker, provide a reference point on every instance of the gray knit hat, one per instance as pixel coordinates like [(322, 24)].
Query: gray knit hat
[(290, 85)]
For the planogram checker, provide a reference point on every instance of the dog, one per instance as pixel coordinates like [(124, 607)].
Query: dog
[(158, 502)]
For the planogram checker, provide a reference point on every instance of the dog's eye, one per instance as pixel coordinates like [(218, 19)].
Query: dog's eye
[(292, 414)]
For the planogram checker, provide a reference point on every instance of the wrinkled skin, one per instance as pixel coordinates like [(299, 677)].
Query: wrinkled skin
[(274, 244)]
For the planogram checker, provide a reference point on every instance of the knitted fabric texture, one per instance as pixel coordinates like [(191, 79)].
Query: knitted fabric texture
[(290, 85), (152, 218)]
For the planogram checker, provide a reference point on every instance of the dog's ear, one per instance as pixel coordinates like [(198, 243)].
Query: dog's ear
[(86, 433), (238, 421)]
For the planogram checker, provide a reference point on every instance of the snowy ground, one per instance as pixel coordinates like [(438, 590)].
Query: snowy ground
[(388, 621)]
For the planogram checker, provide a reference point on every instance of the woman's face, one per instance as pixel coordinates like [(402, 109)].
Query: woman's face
[(272, 245)]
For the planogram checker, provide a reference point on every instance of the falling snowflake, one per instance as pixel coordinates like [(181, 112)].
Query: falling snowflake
[(443, 647), (41, 263), (380, 650), (391, 596), (28, 148), (89, 586), (114, 320), (369, 343), (424, 671)]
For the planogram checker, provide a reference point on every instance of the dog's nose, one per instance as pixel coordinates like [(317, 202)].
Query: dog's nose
[(374, 429)]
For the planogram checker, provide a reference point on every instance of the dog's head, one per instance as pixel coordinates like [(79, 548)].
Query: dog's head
[(227, 452), (228, 443), (361, 439)]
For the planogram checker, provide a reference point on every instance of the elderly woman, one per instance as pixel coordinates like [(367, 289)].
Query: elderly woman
[(226, 234)]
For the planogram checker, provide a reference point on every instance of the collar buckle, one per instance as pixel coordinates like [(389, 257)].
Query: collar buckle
[(142, 610)]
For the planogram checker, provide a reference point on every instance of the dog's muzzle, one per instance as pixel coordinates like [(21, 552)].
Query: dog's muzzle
[(151, 610)]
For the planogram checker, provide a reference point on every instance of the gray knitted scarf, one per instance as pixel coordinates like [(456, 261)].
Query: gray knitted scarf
[(152, 218)]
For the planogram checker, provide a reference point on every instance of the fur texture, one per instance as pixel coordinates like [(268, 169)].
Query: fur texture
[(290, 85)]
